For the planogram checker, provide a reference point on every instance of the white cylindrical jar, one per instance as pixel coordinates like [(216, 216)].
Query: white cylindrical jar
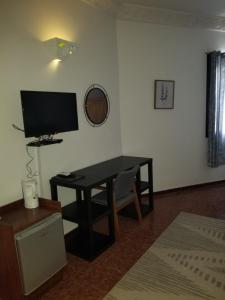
[(30, 194)]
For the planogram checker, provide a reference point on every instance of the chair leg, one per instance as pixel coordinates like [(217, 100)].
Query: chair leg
[(117, 228), (137, 206), (116, 221)]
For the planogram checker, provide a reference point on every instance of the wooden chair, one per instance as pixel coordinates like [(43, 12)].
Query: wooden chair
[(124, 193)]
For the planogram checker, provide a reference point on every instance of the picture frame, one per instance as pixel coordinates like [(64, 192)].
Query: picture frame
[(164, 94)]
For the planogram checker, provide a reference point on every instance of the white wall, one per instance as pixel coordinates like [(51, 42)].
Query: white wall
[(173, 138), (25, 64)]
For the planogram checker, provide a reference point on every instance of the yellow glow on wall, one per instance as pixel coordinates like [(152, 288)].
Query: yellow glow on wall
[(51, 23), (53, 33), (45, 20), (54, 64), (51, 27), (57, 60)]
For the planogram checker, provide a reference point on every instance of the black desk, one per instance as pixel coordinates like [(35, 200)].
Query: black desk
[(84, 241)]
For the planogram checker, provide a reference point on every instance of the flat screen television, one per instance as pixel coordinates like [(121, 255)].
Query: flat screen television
[(47, 113)]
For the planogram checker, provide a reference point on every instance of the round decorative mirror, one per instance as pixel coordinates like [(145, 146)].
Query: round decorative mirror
[(96, 105)]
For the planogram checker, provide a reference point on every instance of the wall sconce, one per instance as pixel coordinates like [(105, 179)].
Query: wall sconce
[(61, 48)]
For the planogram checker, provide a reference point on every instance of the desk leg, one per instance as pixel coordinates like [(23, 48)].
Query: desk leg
[(78, 196), (109, 188), (138, 181), (150, 182), (54, 192), (87, 199)]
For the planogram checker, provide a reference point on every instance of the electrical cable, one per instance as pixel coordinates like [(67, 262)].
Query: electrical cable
[(17, 128), (30, 173)]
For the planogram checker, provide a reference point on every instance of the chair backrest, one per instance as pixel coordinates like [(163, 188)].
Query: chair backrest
[(124, 182)]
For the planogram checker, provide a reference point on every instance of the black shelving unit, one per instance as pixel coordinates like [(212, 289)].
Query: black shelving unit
[(77, 243), (144, 185), (84, 241), (77, 212)]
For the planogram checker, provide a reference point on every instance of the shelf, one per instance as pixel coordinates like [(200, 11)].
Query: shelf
[(84, 241), (68, 226), (130, 211), (77, 243), (78, 212), (144, 185)]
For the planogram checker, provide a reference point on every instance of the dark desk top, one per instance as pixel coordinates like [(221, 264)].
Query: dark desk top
[(101, 172)]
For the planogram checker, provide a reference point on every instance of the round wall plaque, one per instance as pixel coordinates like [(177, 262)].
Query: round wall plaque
[(96, 105)]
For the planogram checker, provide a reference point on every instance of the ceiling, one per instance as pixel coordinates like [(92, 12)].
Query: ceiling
[(206, 14), (206, 7)]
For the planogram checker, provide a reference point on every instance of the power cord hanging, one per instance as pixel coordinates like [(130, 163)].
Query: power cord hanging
[(30, 173), (17, 128)]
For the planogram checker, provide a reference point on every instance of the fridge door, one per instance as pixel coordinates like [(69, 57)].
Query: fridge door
[(41, 251)]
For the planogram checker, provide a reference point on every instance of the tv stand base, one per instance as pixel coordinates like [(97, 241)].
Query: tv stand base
[(44, 142)]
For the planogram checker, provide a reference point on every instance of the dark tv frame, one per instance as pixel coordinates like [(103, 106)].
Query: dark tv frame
[(30, 133)]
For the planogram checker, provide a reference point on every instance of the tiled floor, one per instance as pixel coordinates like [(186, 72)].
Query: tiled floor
[(84, 280)]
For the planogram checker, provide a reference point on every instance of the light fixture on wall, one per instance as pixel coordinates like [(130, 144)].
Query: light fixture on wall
[(61, 49)]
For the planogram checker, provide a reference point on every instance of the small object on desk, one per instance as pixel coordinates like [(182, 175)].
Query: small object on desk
[(66, 174), (70, 178)]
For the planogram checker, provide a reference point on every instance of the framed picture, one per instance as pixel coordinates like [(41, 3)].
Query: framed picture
[(164, 94)]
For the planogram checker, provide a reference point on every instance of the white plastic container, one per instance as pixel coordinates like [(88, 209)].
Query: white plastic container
[(30, 194)]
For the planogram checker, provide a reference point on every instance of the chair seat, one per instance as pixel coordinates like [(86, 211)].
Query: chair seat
[(101, 198)]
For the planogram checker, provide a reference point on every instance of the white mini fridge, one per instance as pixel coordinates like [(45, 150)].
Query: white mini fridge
[(41, 252)]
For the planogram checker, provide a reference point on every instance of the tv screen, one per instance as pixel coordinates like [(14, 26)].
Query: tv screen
[(46, 113)]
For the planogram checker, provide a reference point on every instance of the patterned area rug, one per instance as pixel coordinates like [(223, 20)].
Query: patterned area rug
[(186, 262)]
